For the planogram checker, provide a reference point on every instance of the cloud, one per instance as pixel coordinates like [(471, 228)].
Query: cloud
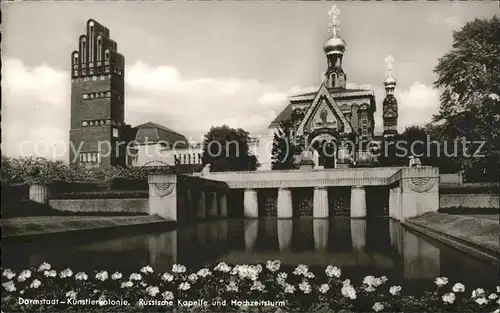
[(36, 104)]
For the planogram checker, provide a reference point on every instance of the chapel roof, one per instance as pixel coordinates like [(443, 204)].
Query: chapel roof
[(336, 93)]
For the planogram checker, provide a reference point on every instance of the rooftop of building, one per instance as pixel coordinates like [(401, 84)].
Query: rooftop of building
[(150, 132)]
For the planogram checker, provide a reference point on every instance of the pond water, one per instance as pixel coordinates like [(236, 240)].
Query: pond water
[(359, 247)]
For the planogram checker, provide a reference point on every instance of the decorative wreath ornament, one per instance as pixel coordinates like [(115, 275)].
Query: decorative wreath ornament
[(422, 184), (163, 189)]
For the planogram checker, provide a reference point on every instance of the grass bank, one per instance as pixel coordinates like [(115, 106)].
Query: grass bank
[(476, 236), (22, 229)]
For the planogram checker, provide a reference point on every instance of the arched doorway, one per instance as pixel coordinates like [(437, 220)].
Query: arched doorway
[(324, 142)]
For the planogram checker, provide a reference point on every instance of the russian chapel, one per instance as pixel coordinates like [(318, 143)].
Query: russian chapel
[(336, 124)]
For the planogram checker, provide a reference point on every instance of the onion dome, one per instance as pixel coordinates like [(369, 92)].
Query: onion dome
[(390, 81), (334, 45)]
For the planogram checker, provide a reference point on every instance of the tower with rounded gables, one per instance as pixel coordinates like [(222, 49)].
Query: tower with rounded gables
[(98, 131)]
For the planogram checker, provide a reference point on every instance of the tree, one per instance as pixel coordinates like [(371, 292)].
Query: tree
[(419, 142), (285, 143), (227, 149), (469, 76)]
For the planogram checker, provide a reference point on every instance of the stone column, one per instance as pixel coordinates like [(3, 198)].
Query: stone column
[(39, 193), (358, 233), (251, 232), (320, 204), (213, 205), (163, 196), (250, 204), (321, 233), (223, 205), (285, 230), (285, 208), (358, 202), (202, 206)]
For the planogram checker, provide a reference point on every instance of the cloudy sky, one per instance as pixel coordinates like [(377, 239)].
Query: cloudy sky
[(191, 65)]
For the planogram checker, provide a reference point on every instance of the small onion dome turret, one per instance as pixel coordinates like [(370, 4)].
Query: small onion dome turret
[(390, 81)]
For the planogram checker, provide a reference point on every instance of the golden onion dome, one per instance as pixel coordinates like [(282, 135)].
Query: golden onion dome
[(334, 45)]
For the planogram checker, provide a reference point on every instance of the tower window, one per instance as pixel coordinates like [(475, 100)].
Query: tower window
[(94, 78), (115, 133), (85, 123), (85, 96), (108, 94), (102, 77), (106, 55)]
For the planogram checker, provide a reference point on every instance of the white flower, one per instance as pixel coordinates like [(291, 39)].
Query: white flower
[(9, 274), (35, 284), (458, 287), (222, 267), (384, 279), (21, 292), (135, 276), (324, 288), (289, 288), (44, 267), (167, 277), (449, 298), (333, 271), (24, 275), (9, 286), (193, 277), (116, 276), (305, 287), (346, 283), (441, 281), (143, 284), (257, 285), (204, 272), (369, 288), (477, 292), (369, 280), (71, 294), (349, 292), (147, 269), (126, 284), (152, 291), (395, 290), (496, 311), (232, 286), (498, 289), (177, 268), (51, 273), (481, 301), (377, 306), (309, 275), (273, 266), (66, 273), (184, 286), (168, 295), (281, 277), (301, 269), (493, 296), (102, 276), (81, 276)]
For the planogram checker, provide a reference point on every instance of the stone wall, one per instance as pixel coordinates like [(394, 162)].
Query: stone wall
[(138, 205), (469, 201)]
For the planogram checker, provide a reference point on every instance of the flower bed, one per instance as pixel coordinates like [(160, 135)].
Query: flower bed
[(249, 288)]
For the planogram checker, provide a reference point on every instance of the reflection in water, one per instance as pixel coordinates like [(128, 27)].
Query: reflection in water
[(285, 230), (360, 247), (320, 228)]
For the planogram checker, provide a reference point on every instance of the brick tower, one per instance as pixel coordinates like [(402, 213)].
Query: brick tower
[(97, 100)]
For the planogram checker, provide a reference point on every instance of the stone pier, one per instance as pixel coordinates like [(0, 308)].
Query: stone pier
[(358, 202), (250, 204), (285, 208), (320, 202)]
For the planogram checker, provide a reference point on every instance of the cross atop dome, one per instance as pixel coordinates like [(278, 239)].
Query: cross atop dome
[(335, 23)]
